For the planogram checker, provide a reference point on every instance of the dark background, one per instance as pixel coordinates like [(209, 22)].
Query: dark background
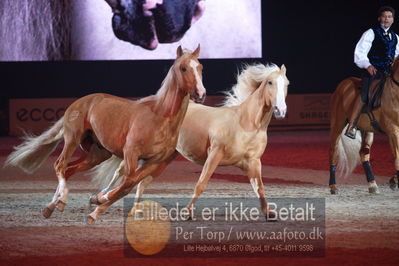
[(314, 39)]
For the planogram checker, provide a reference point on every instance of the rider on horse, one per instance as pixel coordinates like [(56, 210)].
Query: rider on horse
[(374, 54)]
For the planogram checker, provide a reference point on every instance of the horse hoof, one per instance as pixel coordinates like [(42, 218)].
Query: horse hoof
[(60, 206), (90, 220), (47, 212), (271, 217), (392, 183), (334, 192), (374, 190)]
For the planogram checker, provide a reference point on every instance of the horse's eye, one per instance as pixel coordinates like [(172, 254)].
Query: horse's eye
[(270, 83), (184, 69)]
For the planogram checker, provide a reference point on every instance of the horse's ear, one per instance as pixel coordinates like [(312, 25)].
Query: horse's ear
[(283, 69), (112, 3), (197, 51), (179, 51)]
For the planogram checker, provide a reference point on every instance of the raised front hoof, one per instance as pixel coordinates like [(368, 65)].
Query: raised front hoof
[(392, 184), (47, 212), (90, 220), (271, 217), (60, 206), (334, 191), (374, 190)]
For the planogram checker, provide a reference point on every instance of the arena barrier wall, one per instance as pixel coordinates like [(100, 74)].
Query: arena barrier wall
[(305, 111)]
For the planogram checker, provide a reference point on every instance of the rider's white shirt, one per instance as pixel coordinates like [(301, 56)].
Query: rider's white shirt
[(363, 47)]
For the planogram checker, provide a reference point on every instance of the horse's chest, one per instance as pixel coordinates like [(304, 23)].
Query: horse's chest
[(163, 143), (246, 147)]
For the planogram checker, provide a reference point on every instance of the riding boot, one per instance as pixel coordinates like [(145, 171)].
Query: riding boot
[(352, 127)]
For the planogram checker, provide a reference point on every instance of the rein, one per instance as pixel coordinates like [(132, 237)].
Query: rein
[(394, 80)]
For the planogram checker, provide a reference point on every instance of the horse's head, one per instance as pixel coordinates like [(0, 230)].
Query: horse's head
[(188, 73), (148, 22), (275, 91)]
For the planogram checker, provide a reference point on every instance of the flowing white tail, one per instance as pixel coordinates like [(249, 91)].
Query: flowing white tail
[(348, 153), (103, 173), (31, 153)]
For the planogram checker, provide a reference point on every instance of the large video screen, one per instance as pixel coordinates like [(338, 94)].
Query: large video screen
[(37, 30)]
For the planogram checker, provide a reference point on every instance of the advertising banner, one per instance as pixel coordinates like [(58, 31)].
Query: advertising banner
[(305, 111)]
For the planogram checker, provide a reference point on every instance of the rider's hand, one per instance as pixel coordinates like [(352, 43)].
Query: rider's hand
[(372, 70)]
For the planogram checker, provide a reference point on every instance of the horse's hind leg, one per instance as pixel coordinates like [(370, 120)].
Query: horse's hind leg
[(71, 143), (394, 143), (337, 125), (334, 140), (367, 141), (95, 156)]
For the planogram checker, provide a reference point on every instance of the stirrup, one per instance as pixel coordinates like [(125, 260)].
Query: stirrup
[(351, 132)]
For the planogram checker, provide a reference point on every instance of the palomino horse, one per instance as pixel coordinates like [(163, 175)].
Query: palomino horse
[(234, 134), (103, 125), (343, 150)]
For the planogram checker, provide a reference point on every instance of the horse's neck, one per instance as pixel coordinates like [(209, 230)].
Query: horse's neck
[(255, 114), (171, 103)]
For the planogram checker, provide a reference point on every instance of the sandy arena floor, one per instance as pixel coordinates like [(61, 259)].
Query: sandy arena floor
[(360, 227)]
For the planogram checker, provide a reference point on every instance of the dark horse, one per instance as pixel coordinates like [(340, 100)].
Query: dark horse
[(149, 22)]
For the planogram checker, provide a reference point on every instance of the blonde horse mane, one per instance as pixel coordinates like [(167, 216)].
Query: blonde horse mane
[(166, 95), (248, 81), (167, 82)]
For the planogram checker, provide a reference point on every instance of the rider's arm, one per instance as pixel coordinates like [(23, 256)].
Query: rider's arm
[(397, 47), (363, 47)]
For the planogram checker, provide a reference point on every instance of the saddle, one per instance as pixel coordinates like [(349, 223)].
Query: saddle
[(374, 101), (374, 96)]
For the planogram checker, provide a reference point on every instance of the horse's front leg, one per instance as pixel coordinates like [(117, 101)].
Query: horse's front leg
[(394, 143), (147, 180), (215, 155), (253, 170), (367, 141), (98, 199), (130, 179)]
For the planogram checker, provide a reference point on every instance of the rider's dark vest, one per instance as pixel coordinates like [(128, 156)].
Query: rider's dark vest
[(382, 52)]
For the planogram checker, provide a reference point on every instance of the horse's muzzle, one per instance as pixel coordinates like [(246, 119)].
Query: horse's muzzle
[(279, 114), (197, 98)]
